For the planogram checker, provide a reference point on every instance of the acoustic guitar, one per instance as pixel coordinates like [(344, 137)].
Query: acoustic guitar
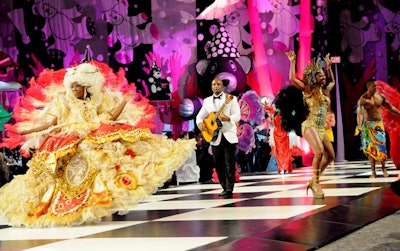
[(212, 124)]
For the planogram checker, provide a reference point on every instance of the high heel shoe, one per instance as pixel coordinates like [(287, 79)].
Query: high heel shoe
[(308, 186), (315, 188), (385, 173)]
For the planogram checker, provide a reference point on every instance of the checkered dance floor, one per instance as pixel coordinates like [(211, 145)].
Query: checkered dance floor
[(268, 211)]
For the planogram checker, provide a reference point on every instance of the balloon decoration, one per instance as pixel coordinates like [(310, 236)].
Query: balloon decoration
[(189, 107)]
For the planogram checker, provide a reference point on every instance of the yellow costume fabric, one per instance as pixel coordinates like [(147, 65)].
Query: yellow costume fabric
[(330, 122), (329, 133), (106, 178), (87, 167), (317, 113)]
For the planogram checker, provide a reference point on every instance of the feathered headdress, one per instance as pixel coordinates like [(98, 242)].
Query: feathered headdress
[(86, 75), (314, 66)]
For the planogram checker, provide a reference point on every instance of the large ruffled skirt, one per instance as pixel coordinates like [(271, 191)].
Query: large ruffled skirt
[(72, 180)]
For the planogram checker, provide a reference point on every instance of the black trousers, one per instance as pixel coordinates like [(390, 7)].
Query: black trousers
[(224, 156)]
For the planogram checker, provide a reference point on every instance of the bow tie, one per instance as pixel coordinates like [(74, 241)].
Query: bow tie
[(219, 97)]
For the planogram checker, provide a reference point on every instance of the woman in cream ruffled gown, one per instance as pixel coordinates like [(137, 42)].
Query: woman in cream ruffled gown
[(95, 154)]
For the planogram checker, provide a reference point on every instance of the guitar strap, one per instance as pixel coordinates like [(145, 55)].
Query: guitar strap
[(226, 98)]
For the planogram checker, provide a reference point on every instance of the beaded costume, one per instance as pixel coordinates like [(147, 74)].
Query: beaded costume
[(87, 166), (315, 97), (317, 113)]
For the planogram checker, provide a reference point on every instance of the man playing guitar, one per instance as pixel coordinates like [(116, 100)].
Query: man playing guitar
[(217, 120)]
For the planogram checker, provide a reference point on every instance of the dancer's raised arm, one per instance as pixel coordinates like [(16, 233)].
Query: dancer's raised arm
[(292, 71), (329, 72)]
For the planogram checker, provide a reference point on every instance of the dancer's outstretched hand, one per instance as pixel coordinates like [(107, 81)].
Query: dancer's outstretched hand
[(291, 55), (328, 60)]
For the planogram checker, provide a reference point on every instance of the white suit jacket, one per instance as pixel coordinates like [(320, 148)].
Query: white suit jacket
[(231, 109)]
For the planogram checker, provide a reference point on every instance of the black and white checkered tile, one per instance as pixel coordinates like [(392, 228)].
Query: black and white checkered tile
[(268, 211)]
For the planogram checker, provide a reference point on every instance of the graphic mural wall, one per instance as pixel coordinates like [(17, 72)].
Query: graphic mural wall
[(159, 45)]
